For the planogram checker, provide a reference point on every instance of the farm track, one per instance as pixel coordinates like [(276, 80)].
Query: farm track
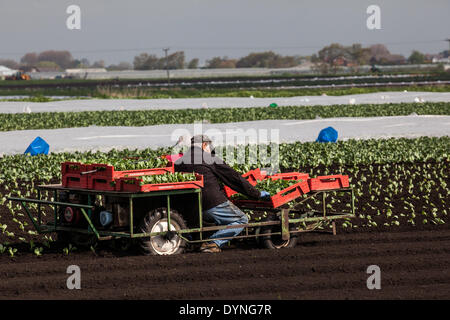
[(412, 262)]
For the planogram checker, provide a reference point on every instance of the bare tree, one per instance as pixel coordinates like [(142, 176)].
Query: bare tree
[(121, 66), (9, 63), (218, 62), (30, 59), (193, 64), (63, 59)]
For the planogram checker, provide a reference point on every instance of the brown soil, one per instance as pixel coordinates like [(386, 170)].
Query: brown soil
[(414, 263), (413, 266)]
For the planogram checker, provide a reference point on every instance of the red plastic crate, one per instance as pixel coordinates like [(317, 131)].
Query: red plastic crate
[(328, 182), (72, 167), (173, 157), (74, 180), (71, 176), (252, 177), (290, 176), (136, 187), (256, 174), (284, 196), (106, 179)]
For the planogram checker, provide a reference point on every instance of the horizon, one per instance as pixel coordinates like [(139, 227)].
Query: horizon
[(256, 27)]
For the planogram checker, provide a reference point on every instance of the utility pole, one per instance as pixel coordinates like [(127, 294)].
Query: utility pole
[(167, 65), (448, 40)]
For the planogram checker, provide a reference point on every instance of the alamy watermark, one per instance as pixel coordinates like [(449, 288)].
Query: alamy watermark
[(73, 22), (236, 145), (373, 22), (74, 280), (374, 280)]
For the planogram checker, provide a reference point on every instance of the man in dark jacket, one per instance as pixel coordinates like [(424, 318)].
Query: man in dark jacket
[(216, 207)]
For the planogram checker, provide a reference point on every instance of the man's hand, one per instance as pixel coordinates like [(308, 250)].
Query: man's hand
[(265, 195)]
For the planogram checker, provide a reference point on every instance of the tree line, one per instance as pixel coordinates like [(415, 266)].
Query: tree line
[(327, 59)]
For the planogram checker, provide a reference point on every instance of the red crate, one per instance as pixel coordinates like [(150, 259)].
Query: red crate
[(71, 176), (145, 172), (256, 174), (72, 167), (74, 180), (284, 196), (290, 176), (106, 178), (136, 187), (251, 176), (172, 157), (328, 182)]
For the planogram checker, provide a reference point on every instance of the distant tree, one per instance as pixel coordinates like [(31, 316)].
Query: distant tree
[(267, 59), (9, 63), (81, 63), (98, 64), (416, 57), (121, 66), (359, 55), (193, 64), (175, 60), (48, 66), (218, 62), (332, 56), (145, 62), (63, 59), (29, 59), (379, 51), (379, 54)]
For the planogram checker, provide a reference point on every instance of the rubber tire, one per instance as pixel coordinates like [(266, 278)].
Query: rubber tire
[(147, 223), (268, 242)]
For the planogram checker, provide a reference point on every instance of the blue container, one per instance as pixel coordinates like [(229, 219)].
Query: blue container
[(38, 146), (327, 135)]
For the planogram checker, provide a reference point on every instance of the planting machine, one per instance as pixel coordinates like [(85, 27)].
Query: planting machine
[(94, 202)]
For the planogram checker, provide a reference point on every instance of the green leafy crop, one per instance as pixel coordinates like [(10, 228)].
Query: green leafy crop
[(53, 120), (167, 178)]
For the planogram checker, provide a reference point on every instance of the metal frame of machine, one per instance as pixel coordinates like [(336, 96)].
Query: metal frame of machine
[(288, 225)]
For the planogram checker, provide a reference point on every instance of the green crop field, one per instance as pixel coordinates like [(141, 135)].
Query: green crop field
[(53, 120)]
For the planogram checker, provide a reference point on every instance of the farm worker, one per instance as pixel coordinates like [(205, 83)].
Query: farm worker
[(200, 158)]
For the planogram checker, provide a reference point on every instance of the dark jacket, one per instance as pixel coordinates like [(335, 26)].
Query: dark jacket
[(214, 170)]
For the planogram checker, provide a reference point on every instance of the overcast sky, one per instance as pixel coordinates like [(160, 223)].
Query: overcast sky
[(117, 30)]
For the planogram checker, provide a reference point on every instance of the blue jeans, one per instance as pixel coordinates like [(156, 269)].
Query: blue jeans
[(225, 214)]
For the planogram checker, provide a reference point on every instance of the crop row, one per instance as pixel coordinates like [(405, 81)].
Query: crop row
[(232, 80), (291, 155), (396, 181), (54, 120), (41, 94)]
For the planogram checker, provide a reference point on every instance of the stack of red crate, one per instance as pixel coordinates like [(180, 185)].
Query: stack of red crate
[(133, 184), (106, 178)]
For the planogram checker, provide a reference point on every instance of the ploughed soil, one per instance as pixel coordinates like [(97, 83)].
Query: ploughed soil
[(414, 260), (414, 265)]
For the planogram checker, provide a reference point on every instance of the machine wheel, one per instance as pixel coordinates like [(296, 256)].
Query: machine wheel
[(275, 241), (156, 221)]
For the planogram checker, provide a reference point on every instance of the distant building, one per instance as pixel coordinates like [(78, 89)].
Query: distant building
[(5, 72), (82, 73), (440, 60)]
